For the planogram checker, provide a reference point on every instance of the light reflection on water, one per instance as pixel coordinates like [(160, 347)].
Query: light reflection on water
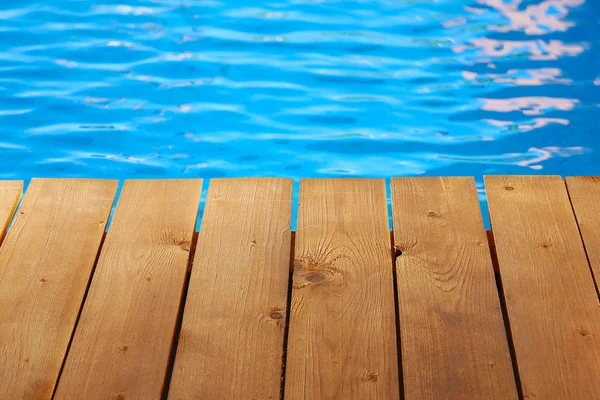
[(304, 88)]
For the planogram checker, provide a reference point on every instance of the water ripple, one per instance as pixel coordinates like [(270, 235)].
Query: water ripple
[(185, 88)]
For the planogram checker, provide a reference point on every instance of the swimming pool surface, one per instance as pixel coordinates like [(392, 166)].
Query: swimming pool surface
[(299, 88)]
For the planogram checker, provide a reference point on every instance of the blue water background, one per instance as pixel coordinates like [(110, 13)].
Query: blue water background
[(320, 88)]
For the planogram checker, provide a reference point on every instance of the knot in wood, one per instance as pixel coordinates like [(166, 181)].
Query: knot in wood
[(185, 245), (315, 277)]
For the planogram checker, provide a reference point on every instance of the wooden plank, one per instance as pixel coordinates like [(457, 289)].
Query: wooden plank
[(231, 342), (452, 333), (45, 265), (550, 296), (123, 340), (10, 193), (342, 334), (584, 192)]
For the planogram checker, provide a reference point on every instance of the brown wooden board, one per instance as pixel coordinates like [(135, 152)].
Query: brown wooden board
[(452, 333), (45, 265), (550, 295), (123, 340), (584, 192), (342, 335), (231, 341)]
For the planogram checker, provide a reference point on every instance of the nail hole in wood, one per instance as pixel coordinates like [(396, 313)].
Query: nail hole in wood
[(397, 252), (276, 315)]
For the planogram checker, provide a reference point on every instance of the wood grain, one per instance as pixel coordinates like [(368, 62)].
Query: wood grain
[(584, 192), (452, 333), (231, 342), (10, 193), (342, 335), (550, 296), (123, 340), (45, 265)]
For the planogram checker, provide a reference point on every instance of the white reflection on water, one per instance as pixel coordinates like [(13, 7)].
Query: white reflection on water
[(530, 125), (535, 19), (518, 77), (546, 153), (532, 49), (529, 105), (493, 53)]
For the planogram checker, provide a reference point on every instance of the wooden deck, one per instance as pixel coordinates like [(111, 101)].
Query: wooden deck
[(340, 309)]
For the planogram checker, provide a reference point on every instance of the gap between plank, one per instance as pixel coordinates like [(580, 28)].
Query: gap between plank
[(288, 309), (180, 312), (394, 253), (587, 257), (509, 339), (492, 244), (12, 217), (85, 294)]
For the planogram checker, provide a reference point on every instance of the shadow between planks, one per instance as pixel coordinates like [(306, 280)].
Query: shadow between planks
[(395, 254)]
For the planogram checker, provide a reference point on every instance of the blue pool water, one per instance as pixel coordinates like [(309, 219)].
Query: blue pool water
[(298, 88)]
